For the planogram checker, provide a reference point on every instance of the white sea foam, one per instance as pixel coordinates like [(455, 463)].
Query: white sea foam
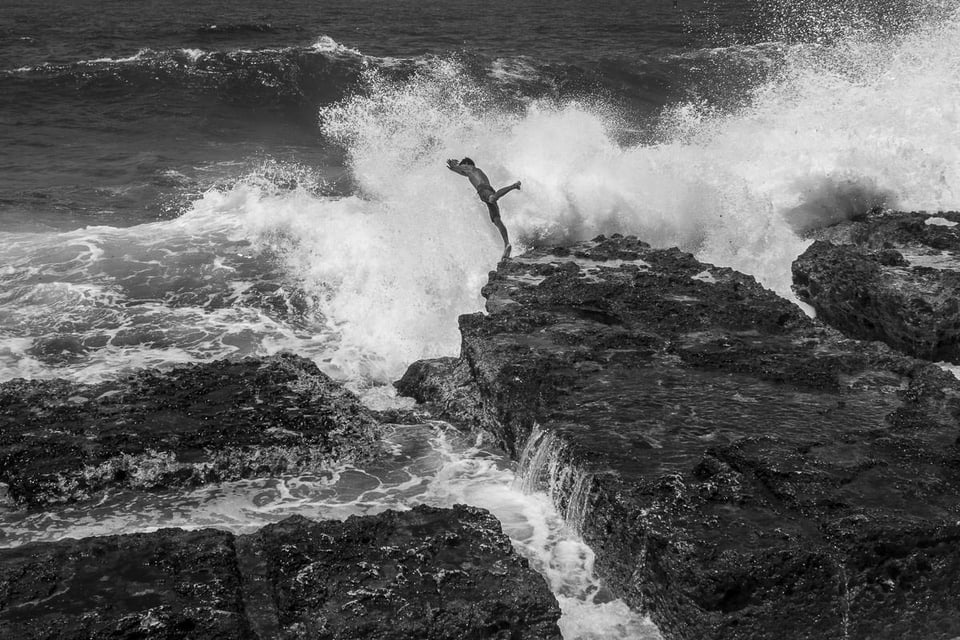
[(135, 57), (839, 129), (951, 367), (266, 264), (89, 303), (193, 54), (431, 464), (514, 69), (386, 286), (384, 273), (326, 44)]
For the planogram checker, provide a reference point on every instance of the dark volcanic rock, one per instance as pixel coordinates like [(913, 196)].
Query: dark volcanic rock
[(169, 584), (893, 277), (425, 573), (740, 470), (224, 420)]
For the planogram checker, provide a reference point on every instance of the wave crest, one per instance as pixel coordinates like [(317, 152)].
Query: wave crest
[(838, 129)]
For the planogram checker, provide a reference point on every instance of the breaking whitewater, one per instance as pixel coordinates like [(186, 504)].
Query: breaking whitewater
[(368, 279)]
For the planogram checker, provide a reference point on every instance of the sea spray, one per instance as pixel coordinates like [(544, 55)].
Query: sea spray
[(366, 281), (839, 128), (256, 265), (388, 286), (871, 114)]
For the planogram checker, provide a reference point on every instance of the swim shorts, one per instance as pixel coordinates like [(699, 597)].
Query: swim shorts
[(485, 191)]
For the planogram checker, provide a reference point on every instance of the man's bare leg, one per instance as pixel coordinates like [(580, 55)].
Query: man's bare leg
[(495, 219), (502, 192)]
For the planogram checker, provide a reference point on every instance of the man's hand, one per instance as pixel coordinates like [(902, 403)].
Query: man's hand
[(453, 163)]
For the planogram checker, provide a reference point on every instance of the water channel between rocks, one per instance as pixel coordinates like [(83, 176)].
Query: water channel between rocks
[(430, 463)]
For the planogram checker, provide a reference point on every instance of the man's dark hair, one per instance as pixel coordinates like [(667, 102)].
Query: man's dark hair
[(467, 161)]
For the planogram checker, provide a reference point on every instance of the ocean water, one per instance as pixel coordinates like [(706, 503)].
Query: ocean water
[(186, 181)]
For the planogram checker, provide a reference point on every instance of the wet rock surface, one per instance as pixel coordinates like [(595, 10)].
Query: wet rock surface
[(424, 573), (202, 423), (167, 584), (741, 470), (893, 277)]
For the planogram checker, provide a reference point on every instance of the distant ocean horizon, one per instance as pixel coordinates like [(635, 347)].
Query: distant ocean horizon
[(181, 182)]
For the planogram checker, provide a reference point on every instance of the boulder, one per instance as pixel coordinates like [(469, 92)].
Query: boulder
[(62, 441), (740, 470), (893, 277), (424, 573)]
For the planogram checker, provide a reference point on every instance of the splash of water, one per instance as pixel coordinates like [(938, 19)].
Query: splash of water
[(429, 464), (377, 278), (843, 127)]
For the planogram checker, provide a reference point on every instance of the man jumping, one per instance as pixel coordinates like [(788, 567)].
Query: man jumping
[(487, 193)]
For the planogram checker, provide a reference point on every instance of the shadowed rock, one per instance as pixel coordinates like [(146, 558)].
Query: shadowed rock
[(225, 420), (167, 584), (893, 277), (740, 470), (425, 573)]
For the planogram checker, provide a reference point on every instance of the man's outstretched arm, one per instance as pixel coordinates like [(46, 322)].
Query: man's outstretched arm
[(454, 166)]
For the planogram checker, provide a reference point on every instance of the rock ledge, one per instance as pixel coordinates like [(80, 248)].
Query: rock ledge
[(740, 470)]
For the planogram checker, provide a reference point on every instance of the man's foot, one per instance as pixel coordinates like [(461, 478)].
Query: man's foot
[(516, 185), (506, 252)]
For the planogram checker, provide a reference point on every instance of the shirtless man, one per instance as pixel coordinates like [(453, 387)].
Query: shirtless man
[(487, 193)]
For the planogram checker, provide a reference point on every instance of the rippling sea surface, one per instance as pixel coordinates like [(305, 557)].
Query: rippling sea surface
[(186, 181)]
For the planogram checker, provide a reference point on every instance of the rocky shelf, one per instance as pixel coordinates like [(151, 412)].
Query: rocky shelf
[(424, 573), (893, 277), (741, 470), (203, 423)]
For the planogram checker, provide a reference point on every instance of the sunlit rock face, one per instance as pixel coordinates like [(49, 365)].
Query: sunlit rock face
[(741, 470)]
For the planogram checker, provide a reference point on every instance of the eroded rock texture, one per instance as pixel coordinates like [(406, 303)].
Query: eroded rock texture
[(167, 584), (424, 573), (741, 470), (893, 277), (225, 420)]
